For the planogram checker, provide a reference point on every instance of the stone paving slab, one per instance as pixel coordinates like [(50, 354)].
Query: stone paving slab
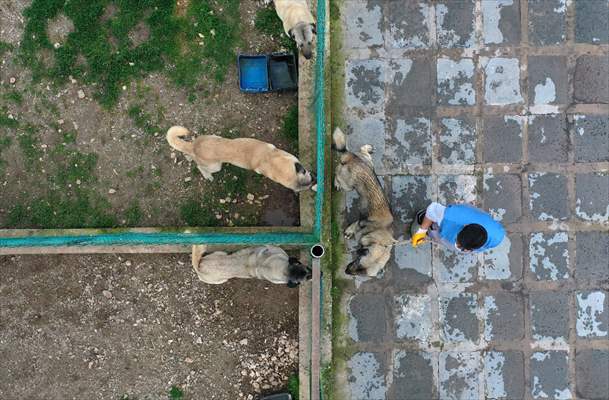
[(503, 104)]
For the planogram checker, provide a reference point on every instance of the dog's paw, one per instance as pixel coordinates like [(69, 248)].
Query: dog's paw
[(337, 184), (350, 231)]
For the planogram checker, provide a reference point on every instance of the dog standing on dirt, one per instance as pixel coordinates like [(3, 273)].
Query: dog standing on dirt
[(270, 263), (210, 151), (373, 231), (298, 23)]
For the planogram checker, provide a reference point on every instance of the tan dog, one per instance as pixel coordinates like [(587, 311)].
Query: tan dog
[(270, 263), (298, 23), (373, 231), (210, 151)]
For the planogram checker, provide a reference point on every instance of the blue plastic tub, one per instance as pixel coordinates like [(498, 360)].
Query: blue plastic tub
[(253, 73)]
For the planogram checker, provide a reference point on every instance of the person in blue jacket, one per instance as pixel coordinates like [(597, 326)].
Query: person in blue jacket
[(459, 227)]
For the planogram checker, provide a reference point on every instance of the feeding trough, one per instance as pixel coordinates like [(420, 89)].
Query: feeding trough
[(262, 73)]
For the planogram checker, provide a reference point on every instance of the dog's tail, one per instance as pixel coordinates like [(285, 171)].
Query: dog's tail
[(340, 140), (174, 137), (197, 253)]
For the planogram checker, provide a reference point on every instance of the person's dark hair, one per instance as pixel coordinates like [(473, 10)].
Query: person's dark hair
[(472, 237)]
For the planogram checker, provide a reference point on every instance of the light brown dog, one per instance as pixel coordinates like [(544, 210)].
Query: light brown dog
[(209, 152), (270, 263), (298, 23), (373, 231)]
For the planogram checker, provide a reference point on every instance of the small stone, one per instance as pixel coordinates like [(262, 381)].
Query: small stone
[(218, 216), (81, 94), (243, 342), (107, 294), (128, 263), (78, 181), (189, 360), (112, 191), (60, 122), (250, 197), (222, 201), (187, 179), (12, 80), (56, 45)]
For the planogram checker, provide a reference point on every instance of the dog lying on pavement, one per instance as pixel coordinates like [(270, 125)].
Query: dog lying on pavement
[(298, 23), (209, 152), (373, 231), (270, 263)]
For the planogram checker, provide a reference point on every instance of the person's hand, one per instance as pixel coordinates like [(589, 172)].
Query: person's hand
[(419, 237)]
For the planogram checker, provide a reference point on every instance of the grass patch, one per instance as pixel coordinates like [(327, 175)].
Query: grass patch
[(5, 121), (63, 211), (4, 47), (139, 38), (175, 393), (268, 22), (5, 143), (28, 143), (133, 214), (14, 96), (142, 120), (294, 386), (197, 212), (289, 128)]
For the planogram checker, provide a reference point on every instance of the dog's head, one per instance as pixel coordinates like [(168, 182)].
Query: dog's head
[(373, 253), (303, 33), (297, 272), (305, 179)]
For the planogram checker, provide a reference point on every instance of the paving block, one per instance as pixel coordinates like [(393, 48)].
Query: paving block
[(450, 266), (457, 141), (591, 368), (455, 23), (548, 83), (409, 194), (408, 24), (414, 375), (408, 143), (411, 266), (501, 22), (365, 85), (591, 197), (503, 138), (367, 318), (502, 197), (591, 138), (504, 316), (591, 79), (549, 317), (456, 82), (547, 22), (459, 375), (459, 317), (502, 81), (549, 256), (592, 21), (544, 203), (458, 189), (369, 129), (504, 374), (503, 262), (548, 139), (592, 261), (550, 375), (366, 380), (410, 84), (363, 25), (592, 314), (413, 317)]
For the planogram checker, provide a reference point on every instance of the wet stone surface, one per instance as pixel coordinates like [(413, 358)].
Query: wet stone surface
[(504, 319), (503, 138), (549, 375), (547, 22)]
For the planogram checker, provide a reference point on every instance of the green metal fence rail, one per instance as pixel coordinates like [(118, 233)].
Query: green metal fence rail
[(167, 237)]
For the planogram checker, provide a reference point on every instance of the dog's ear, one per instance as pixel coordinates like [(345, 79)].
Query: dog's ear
[(299, 168), (292, 284), (314, 28)]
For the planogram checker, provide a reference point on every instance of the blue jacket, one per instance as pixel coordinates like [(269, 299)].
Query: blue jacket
[(456, 216)]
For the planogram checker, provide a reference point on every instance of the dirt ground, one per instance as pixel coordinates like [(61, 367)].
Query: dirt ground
[(72, 163), (133, 326)]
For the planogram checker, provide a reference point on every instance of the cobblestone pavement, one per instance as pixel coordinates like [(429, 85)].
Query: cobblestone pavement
[(502, 104)]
